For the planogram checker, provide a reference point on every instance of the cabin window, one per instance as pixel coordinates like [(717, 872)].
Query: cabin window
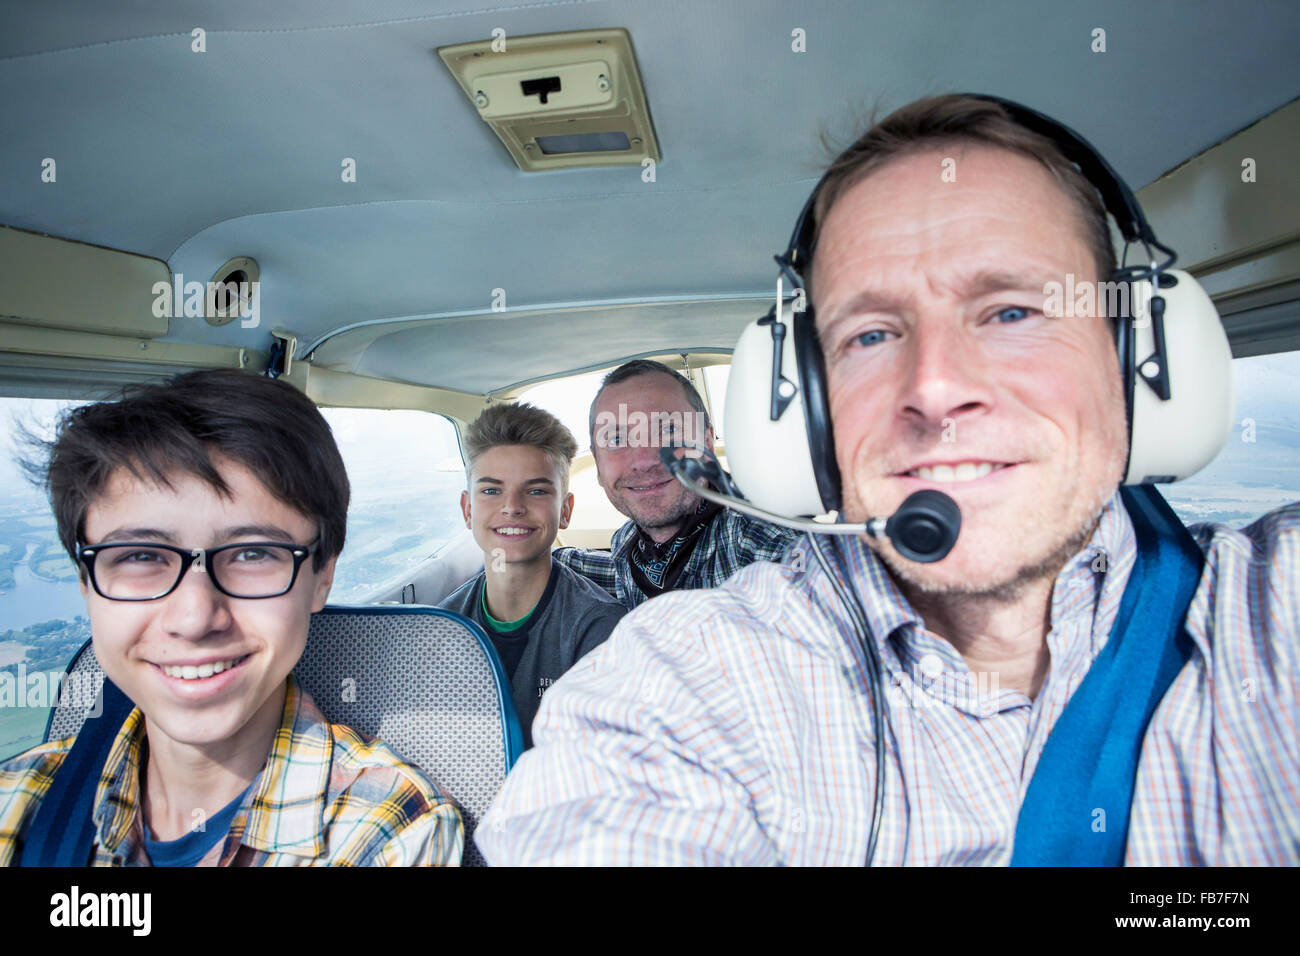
[(569, 400), (42, 615), (715, 380), (407, 474), (1259, 468)]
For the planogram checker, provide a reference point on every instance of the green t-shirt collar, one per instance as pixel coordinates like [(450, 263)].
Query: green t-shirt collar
[(505, 626)]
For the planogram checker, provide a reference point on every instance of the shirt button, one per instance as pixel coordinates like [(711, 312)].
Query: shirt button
[(931, 665)]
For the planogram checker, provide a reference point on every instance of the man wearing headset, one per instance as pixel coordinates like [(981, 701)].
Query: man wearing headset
[(1079, 680)]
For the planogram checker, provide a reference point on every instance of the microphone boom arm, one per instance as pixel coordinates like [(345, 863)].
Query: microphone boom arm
[(875, 527), (923, 529)]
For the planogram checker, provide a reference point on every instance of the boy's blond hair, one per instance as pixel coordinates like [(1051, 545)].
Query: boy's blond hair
[(521, 424)]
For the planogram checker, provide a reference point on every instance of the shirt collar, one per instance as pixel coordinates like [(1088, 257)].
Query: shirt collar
[(287, 806), (887, 610), (621, 541), (1088, 590), (287, 811), (1099, 575), (118, 794)]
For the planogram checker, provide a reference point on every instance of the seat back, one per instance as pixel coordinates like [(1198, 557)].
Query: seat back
[(83, 682), (429, 684), (425, 681)]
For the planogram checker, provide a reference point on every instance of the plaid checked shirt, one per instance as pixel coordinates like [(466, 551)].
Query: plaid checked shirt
[(733, 726), (327, 796), (730, 542)]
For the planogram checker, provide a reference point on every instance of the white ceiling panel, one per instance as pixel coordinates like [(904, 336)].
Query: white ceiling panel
[(198, 157)]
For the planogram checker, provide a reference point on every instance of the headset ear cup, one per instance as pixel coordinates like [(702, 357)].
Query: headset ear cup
[(816, 408), (769, 460), (1170, 440)]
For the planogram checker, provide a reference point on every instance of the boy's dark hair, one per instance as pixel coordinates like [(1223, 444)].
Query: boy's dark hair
[(644, 367), (155, 431)]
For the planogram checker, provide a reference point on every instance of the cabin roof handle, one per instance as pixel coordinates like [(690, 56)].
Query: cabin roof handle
[(283, 345)]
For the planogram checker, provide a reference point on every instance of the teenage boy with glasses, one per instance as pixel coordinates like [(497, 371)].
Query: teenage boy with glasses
[(206, 516)]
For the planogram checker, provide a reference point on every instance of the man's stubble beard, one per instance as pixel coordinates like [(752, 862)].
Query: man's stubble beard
[(1007, 591), (673, 518), (1047, 566)]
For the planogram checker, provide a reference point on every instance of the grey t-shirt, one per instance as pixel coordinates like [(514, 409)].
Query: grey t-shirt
[(572, 617)]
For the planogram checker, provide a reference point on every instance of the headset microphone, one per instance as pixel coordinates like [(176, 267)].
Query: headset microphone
[(923, 529), (925, 526)]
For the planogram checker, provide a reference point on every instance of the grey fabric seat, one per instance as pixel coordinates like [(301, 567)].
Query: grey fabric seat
[(425, 681)]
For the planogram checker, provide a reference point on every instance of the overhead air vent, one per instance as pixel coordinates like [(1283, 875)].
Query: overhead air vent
[(231, 291), (559, 100)]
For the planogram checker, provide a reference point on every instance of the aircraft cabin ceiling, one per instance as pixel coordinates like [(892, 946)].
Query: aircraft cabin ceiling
[(195, 158)]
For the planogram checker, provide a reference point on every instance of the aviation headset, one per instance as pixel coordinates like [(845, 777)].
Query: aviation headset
[(780, 445)]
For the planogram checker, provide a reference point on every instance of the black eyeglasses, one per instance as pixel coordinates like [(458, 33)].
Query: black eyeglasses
[(148, 571)]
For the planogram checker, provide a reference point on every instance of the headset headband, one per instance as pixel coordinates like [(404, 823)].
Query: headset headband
[(1117, 198)]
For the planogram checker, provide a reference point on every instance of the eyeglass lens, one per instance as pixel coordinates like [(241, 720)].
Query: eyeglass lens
[(133, 571)]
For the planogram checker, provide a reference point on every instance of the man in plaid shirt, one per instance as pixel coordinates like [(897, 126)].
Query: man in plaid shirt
[(675, 540), (738, 725), (206, 516)]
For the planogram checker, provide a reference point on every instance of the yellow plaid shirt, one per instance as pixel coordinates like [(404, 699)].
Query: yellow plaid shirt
[(328, 796)]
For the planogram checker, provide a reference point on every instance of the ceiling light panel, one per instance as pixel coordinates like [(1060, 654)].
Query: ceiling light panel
[(559, 100)]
